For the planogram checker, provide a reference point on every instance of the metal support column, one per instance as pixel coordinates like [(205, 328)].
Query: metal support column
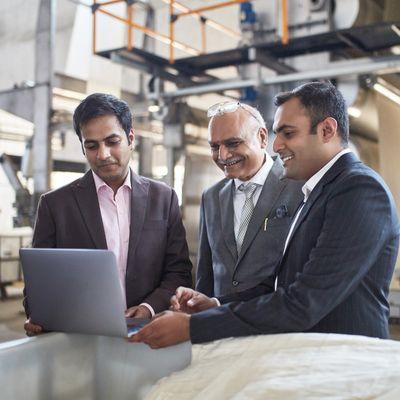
[(45, 36), (145, 157)]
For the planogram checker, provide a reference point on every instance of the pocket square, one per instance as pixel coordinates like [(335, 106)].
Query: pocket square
[(281, 212)]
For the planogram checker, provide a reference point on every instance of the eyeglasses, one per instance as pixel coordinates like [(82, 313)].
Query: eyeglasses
[(227, 107)]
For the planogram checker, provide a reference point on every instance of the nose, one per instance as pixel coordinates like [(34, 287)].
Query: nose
[(278, 144), (103, 152), (224, 153)]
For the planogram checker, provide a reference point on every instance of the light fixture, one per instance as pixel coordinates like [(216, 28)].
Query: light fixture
[(154, 108), (382, 89), (354, 112)]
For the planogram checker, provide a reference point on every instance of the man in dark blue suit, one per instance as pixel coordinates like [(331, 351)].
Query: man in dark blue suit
[(340, 252)]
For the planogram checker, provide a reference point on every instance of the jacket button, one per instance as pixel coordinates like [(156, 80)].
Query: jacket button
[(235, 283)]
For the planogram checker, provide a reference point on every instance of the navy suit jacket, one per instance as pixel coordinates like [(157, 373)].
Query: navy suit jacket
[(335, 273), (158, 260)]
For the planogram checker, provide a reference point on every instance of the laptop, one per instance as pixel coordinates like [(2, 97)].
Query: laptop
[(76, 291)]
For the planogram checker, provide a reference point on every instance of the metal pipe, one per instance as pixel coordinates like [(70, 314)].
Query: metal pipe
[(107, 3), (159, 36), (380, 65), (211, 23), (130, 29), (213, 7), (284, 22), (94, 30), (203, 34), (171, 31)]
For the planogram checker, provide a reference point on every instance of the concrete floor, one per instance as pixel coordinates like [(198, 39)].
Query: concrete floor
[(12, 318)]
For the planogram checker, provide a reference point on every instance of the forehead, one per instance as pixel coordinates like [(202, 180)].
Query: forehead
[(226, 126), (100, 127), (290, 113)]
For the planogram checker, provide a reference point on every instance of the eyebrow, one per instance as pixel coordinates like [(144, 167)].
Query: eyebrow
[(231, 139), (113, 135), (282, 127)]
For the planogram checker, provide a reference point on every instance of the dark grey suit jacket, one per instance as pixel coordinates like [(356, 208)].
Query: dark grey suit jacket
[(220, 270), (158, 260), (336, 271)]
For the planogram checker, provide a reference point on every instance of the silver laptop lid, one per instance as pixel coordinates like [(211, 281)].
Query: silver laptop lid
[(74, 290)]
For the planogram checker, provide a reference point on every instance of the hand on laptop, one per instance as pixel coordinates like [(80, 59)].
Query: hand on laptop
[(32, 329), (190, 301), (138, 312), (165, 329)]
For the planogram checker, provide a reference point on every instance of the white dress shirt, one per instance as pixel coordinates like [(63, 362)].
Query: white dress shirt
[(309, 186), (239, 196)]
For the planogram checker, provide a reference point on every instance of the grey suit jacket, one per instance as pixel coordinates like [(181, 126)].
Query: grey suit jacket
[(220, 269), (158, 260), (336, 271)]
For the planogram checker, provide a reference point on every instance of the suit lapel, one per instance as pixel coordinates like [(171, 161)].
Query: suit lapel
[(227, 216), (88, 203), (270, 193), (139, 198), (343, 162)]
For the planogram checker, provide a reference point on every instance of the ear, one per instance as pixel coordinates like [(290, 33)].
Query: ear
[(329, 129), (131, 137), (263, 137)]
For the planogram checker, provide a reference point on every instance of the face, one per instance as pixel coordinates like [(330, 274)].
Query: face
[(107, 149), (303, 154), (237, 144)]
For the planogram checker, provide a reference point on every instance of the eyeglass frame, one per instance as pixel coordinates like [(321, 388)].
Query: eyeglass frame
[(222, 108)]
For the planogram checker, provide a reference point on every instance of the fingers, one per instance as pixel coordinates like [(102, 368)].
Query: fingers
[(175, 306), (131, 312), (32, 329)]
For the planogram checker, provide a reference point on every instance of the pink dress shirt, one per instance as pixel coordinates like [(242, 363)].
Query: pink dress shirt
[(116, 216)]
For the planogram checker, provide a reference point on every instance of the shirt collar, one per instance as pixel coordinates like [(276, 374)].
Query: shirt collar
[(99, 183), (309, 186), (260, 177)]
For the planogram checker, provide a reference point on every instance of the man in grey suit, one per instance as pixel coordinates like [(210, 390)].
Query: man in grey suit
[(111, 207), (341, 249), (236, 253)]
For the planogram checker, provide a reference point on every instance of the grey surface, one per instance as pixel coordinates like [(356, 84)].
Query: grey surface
[(69, 366), (72, 290)]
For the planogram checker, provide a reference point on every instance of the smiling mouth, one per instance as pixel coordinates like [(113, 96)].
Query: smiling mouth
[(230, 163), (286, 158)]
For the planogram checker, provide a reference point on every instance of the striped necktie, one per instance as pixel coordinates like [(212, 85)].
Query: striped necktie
[(247, 211)]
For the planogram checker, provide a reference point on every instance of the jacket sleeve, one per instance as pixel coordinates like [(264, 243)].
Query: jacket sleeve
[(359, 226), (205, 273), (177, 269)]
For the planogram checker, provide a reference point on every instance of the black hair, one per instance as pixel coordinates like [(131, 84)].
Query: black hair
[(321, 100), (98, 105)]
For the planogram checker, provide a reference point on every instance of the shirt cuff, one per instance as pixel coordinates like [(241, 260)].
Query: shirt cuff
[(149, 307), (217, 301)]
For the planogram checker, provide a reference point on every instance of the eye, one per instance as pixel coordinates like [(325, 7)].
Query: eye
[(90, 146), (113, 141), (233, 144), (214, 147), (288, 134)]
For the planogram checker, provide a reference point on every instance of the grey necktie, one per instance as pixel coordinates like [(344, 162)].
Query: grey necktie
[(247, 211)]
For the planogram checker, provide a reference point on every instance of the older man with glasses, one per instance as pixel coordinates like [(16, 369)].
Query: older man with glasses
[(246, 216)]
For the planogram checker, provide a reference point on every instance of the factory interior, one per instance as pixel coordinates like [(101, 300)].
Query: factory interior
[(170, 60)]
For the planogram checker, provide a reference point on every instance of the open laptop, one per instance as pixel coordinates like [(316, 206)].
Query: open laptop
[(76, 290)]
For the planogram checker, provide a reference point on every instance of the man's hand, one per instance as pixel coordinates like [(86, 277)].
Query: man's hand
[(32, 329), (189, 301), (166, 329), (138, 312)]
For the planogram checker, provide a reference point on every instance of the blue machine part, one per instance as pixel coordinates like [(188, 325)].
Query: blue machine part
[(247, 14)]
